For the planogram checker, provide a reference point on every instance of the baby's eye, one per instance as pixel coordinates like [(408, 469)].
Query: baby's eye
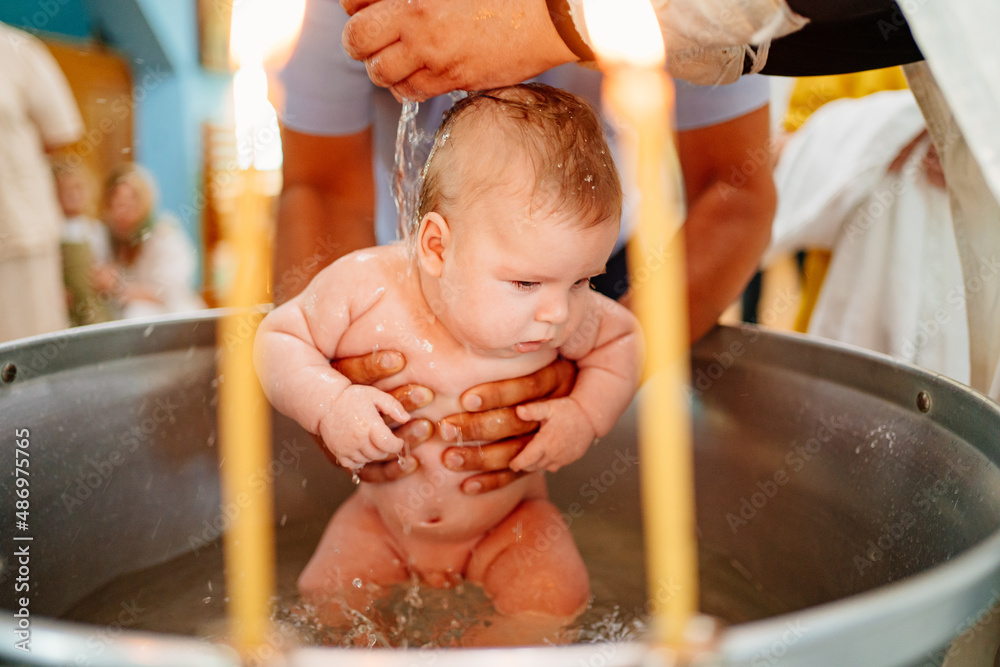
[(524, 285), (582, 282)]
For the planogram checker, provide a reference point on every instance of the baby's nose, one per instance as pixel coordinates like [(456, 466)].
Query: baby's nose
[(554, 310)]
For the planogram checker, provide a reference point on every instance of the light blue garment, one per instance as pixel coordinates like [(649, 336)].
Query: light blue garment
[(328, 93)]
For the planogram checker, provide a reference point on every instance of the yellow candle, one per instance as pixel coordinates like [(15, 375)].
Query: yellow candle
[(640, 95), (244, 430)]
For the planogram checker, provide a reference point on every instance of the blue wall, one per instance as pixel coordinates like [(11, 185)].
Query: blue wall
[(169, 119), (173, 94), (62, 17)]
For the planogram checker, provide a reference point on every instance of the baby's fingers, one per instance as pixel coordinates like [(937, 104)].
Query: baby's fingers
[(392, 408), (535, 412), (382, 441), (530, 458)]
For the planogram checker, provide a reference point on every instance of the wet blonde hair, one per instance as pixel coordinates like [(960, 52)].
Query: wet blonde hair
[(558, 133)]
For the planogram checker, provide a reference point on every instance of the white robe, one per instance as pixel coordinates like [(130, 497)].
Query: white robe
[(895, 283)]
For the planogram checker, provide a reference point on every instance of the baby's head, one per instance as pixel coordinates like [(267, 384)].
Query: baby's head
[(545, 141), (520, 206)]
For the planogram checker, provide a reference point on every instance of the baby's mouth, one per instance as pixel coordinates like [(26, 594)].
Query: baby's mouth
[(531, 346)]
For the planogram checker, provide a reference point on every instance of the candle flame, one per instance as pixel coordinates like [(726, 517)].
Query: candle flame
[(625, 31), (263, 29), (262, 32)]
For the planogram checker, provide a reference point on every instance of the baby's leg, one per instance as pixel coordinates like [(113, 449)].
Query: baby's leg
[(355, 546), (530, 564)]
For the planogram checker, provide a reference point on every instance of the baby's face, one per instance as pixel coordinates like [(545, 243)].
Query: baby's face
[(514, 283)]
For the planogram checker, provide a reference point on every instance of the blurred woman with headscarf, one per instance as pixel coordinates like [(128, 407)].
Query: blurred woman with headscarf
[(153, 262)]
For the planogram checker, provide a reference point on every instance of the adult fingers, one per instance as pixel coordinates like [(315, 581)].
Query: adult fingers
[(352, 6), (379, 472), (488, 481), (557, 376), (492, 456), (412, 396), (369, 368), (424, 83), (485, 426), (371, 29), (415, 431), (392, 64), (405, 90)]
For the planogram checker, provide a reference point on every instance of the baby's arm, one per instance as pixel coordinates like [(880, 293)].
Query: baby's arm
[(607, 347), (292, 353)]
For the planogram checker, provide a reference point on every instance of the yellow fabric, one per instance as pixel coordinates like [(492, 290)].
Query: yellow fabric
[(813, 273), (808, 95)]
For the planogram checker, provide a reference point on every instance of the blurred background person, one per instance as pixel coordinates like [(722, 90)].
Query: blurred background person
[(152, 263), (37, 115), (85, 244), (861, 182)]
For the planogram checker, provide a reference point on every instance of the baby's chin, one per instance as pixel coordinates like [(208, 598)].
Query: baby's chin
[(510, 351)]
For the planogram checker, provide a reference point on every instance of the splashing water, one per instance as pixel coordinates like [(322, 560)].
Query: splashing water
[(412, 150), (406, 188), (412, 614)]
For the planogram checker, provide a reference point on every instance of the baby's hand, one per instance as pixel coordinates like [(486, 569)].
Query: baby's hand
[(355, 430), (565, 435)]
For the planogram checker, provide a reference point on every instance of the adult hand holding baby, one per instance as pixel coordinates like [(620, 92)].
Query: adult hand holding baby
[(491, 417)]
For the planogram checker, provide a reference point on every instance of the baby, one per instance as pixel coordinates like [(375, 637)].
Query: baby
[(519, 208)]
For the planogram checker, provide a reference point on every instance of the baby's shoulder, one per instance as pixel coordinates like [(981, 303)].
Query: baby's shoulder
[(379, 261), (362, 276), (376, 264)]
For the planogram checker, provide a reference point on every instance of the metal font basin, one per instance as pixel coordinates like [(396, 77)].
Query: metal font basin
[(856, 498)]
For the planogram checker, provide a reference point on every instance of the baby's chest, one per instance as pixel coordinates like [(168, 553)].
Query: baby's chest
[(434, 358)]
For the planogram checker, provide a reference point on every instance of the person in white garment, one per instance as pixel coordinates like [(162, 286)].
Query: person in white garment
[(861, 179), (37, 115)]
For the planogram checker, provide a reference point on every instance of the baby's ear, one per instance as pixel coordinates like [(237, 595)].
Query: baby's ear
[(433, 238)]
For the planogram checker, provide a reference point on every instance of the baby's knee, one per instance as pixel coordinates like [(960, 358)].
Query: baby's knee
[(319, 580), (542, 570)]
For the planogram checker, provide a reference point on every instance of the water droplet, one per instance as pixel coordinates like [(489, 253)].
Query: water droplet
[(355, 479), (207, 599), (356, 582)]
